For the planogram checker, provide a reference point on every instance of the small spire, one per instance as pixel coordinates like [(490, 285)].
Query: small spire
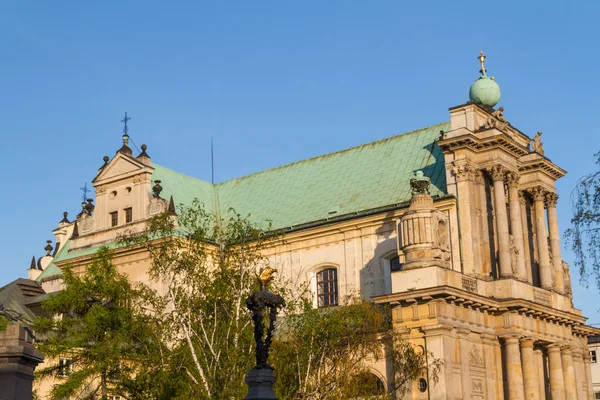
[(172, 207), (32, 266), (125, 148), (481, 59), (75, 233), (48, 247), (65, 219)]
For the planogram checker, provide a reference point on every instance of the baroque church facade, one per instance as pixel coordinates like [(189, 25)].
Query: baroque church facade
[(454, 226)]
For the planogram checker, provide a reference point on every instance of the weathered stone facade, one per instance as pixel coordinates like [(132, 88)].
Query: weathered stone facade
[(482, 283)]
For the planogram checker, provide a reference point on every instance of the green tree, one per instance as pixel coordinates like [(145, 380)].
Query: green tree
[(584, 234), (95, 334), (207, 268), (323, 354)]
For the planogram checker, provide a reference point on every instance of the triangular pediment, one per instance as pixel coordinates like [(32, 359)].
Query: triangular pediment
[(121, 166)]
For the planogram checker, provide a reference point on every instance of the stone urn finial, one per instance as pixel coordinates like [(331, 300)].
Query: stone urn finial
[(419, 183)]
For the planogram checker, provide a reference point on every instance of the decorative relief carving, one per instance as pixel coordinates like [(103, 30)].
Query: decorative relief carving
[(514, 256), (462, 172), (542, 297), (497, 172), (86, 224), (537, 146), (475, 357), (469, 284), (567, 277), (477, 386), (156, 206), (512, 179), (496, 120), (538, 193), (551, 199)]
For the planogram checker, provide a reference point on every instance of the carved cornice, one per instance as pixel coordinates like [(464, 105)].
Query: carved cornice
[(497, 172), (551, 199), (512, 179)]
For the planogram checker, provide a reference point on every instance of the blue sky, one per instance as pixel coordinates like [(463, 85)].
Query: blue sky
[(272, 82)]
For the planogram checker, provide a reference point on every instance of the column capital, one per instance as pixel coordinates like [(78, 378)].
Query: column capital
[(478, 177), (586, 356), (527, 342), (566, 349), (512, 179), (538, 193), (497, 172), (551, 199), (511, 338), (553, 348), (463, 172)]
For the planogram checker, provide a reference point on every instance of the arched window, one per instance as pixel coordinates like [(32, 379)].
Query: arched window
[(327, 287)]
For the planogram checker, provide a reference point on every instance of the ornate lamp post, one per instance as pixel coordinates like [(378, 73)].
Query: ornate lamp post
[(260, 379)]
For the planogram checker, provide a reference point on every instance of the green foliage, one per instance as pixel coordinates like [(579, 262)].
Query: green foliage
[(3, 322), (584, 234), (207, 268), (324, 353), (97, 323)]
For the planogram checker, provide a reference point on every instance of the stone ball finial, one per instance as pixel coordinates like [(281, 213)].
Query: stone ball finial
[(144, 147), (105, 159), (484, 91)]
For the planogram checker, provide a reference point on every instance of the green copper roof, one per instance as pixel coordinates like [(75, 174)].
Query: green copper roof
[(357, 179), (350, 181)]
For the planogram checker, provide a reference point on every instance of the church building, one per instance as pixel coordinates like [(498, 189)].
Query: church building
[(453, 225)]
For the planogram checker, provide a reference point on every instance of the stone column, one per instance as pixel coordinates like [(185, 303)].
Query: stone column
[(559, 284), (484, 230), (542, 243), (530, 379), (517, 249), (464, 176), (587, 364), (514, 373), (539, 366), (498, 173), (568, 373), (580, 377), (526, 244), (557, 384)]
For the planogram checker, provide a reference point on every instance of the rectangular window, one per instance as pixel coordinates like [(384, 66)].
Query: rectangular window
[(593, 355), (64, 367), (327, 287), (114, 218), (597, 395), (128, 215)]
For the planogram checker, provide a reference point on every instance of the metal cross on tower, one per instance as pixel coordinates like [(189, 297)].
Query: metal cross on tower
[(85, 191), (124, 120)]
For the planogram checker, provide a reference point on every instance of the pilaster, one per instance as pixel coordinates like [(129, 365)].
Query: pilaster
[(526, 244)]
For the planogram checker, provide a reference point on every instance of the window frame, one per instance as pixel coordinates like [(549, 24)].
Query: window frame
[(594, 357), (114, 218), (328, 290), (128, 214), (65, 367)]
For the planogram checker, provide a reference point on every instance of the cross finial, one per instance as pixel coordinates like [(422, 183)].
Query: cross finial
[(85, 191), (481, 59), (124, 120)]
